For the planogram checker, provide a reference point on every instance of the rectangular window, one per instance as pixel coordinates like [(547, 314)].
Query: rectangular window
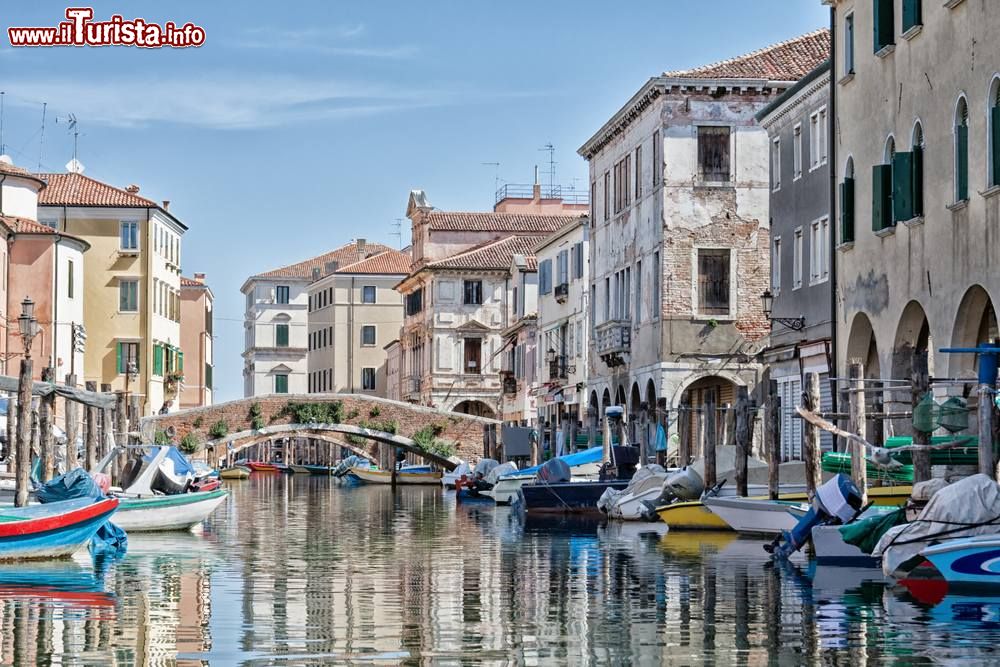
[(70, 277), (473, 355), (819, 267), (849, 44), (713, 154), (638, 172), (638, 292), (415, 301), (281, 335), (128, 296), (127, 353), (657, 160), (593, 305), (627, 294), (713, 282), (129, 235), (367, 379), (578, 260), (881, 197), (545, 276), (562, 267), (797, 152), (368, 335), (607, 195), (962, 161), (776, 164), (281, 294), (368, 294), (817, 138), (579, 338), (593, 202), (281, 384), (655, 301), (884, 25), (473, 293), (912, 15), (776, 266), (797, 260), (847, 211), (607, 298)]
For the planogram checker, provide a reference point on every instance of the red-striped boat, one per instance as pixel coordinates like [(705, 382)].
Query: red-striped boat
[(52, 530), (260, 466)]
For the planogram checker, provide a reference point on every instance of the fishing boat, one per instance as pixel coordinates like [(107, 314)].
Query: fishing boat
[(757, 516), (318, 470), (371, 476), (261, 466), (52, 530), (967, 560), (181, 511), (637, 499), (235, 472)]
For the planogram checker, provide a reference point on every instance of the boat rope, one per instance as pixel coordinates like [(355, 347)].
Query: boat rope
[(557, 496)]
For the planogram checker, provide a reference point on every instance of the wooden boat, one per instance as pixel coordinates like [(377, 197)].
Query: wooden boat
[(52, 530), (260, 466), (318, 470), (369, 476), (236, 472), (299, 469), (181, 511), (967, 561), (757, 516), (690, 515)]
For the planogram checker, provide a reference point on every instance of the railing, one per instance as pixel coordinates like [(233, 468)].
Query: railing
[(527, 191), (612, 339), (558, 369), (561, 292)]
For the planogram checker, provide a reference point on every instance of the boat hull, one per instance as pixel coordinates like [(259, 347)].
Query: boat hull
[(633, 506), (385, 477), (749, 516), (567, 497), (260, 466), (830, 548), (53, 530), (299, 470), (967, 561), (236, 472), (157, 513), (508, 489), (691, 515)]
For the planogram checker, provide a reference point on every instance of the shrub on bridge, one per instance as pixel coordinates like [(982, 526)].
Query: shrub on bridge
[(161, 438), (427, 439), (189, 443), (386, 426), (256, 417), (315, 413), (219, 429)]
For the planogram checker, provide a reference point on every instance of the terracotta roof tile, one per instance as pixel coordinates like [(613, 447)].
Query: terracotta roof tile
[(78, 190), (25, 226), (388, 262), (12, 170), (517, 223), (786, 61), (191, 282), (492, 255), (349, 253)]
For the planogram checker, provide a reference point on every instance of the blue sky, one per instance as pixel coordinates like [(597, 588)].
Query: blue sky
[(290, 132)]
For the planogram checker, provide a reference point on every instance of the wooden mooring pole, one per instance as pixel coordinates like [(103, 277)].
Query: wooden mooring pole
[(810, 435), (772, 427), (70, 410), (987, 458), (91, 431), (742, 433), (23, 446), (856, 403), (920, 385), (121, 433), (708, 445), (46, 416)]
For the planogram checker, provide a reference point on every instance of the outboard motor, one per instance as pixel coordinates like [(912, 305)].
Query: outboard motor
[(554, 471), (836, 501)]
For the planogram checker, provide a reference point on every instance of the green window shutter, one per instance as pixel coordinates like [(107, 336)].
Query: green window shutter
[(902, 186), (962, 168), (918, 181), (847, 211), (180, 362), (995, 133), (883, 24), (281, 335), (119, 358), (158, 360), (881, 197), (911, 14), (208, 375), (281, 384)]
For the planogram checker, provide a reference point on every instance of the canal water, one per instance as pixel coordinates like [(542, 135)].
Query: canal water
[(298, 570)]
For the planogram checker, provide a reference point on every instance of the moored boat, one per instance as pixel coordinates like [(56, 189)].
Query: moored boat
[(235, 472), (582, 465), (261, 466), (299, 469), (690, 515), (967, 561), (52, 530), (757, 516), (317, 469), (370, 476), (181, 511), (636, 500), (449, 478)]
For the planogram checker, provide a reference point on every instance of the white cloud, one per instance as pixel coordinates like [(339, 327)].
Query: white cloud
[(322, 40)]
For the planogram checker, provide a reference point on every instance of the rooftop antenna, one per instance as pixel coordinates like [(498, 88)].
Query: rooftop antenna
[(552, 164), (496, 175), (41, 138), (398, 226), (73, 166)]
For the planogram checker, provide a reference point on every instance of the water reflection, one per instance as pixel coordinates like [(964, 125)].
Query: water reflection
[(298, 570)]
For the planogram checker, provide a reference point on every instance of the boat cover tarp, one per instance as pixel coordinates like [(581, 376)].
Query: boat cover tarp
[(502, 470), (484, 466), (866, 533), (592, 455), (642, 481), (966, 508), (182, 467), (77, 483), (554, 471)]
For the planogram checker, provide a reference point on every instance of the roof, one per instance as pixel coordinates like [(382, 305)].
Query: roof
[(391, 262), (789, 94), (191, 282), (492, 255), (349, 253), (26, 226), (72, 189), (9, 169), (518, 223), (785, 61)]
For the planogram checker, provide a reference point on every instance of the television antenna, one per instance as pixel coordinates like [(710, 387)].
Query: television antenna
[(398, 233), (496, 175), (73, 165), (41, 138), (552, 163)]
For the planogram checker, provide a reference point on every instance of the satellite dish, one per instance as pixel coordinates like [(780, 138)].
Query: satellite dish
[(74, 166)]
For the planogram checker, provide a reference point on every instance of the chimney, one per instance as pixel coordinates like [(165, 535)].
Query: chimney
[(361, 246), (200, 277), (316, 274), (536, 188), (133, 189), (166, 204)]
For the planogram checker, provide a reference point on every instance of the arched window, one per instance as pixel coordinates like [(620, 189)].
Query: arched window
[(962, 151), (993, 118), (847, 203), (917, 167)]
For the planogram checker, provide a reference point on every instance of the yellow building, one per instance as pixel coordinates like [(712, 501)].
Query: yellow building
[(131, 284)]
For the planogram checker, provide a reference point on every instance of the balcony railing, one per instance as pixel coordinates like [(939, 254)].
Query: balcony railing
[(613, 340), (559, 369), (561, 292), (526, 191)]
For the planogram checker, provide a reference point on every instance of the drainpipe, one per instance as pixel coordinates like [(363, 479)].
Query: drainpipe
[(350, 330), (146, 315), (832, 164), (55, 309)]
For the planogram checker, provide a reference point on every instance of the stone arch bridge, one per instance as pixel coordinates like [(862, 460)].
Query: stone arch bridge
[(378, 422)]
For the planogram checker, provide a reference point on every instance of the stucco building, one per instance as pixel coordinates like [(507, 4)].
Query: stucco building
[(197, 341), (276, 321), (797, 124), (679, 239), (519, 370), (354, 312), (918, 171)]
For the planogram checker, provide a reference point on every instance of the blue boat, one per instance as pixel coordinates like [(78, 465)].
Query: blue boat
[(967, 560), (52, 530)]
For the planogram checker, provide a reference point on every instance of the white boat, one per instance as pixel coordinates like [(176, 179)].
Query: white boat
[(752, 516), (369, 476), (448, 479), (180, 511), (635, 501), (829, 546), (584, 466)]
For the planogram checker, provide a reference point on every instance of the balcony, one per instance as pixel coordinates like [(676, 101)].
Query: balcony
[(509, 383), (411, 387), (559, 369), (612, 341), (561, 292)]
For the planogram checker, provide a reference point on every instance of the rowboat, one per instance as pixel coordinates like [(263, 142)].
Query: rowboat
[(967, 560), (236, 472), (369, 476), (260, 466), (448, 479), (757, 516), (181, 511), (52, 530)]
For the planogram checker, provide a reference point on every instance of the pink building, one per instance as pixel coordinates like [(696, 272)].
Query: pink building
[(196, 341)]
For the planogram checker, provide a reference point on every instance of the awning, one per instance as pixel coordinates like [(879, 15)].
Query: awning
[(554, 395)]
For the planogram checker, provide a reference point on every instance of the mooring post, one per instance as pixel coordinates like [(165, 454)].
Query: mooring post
[(987, 458), (856, 402), (683, 435), (107, 426), (11, 451), (91, 431), (741, 437), (920, 385), (121, 433), (22, 483), (810, 435), (133, 418), (46, 415), (772, 428), (708, 446)]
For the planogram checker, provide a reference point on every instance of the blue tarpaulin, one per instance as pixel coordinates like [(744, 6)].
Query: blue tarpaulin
[(592, 455), (77, 483), (181, 465), (661, 438)]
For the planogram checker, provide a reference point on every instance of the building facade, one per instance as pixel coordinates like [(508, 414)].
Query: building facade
[(679, 240), (354, 313), (131, 283), (564, 327), (393, 370), (519, 372), (197, 327), (276, 321), (918, 173), (797, 125)]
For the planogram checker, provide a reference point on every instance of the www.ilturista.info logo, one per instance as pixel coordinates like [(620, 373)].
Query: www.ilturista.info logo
[(81, 30)]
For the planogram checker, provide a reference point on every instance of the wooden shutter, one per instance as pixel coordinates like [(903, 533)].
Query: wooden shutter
[(917, 178), (883, 24), (881, 197), (281, 335), (911, 14), (902, 186), (962, 171), (119, 358), (847, 211), (995, 134), (157, 360)]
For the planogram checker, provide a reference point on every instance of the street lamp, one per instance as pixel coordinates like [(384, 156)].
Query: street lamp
[(793, 323), (27, 325)]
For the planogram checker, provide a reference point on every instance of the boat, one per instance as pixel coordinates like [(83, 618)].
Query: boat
[(829, 547), (235, 472), (757, 516), (283, 468), (582, 465), (52, 530), (477, 488), (318, 470), (181, 511), (690, 515), (299, 469), (449, 478), (372, 476), (342, 468), (638, 498), (967, 561), (554, 490), (261, 466)]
